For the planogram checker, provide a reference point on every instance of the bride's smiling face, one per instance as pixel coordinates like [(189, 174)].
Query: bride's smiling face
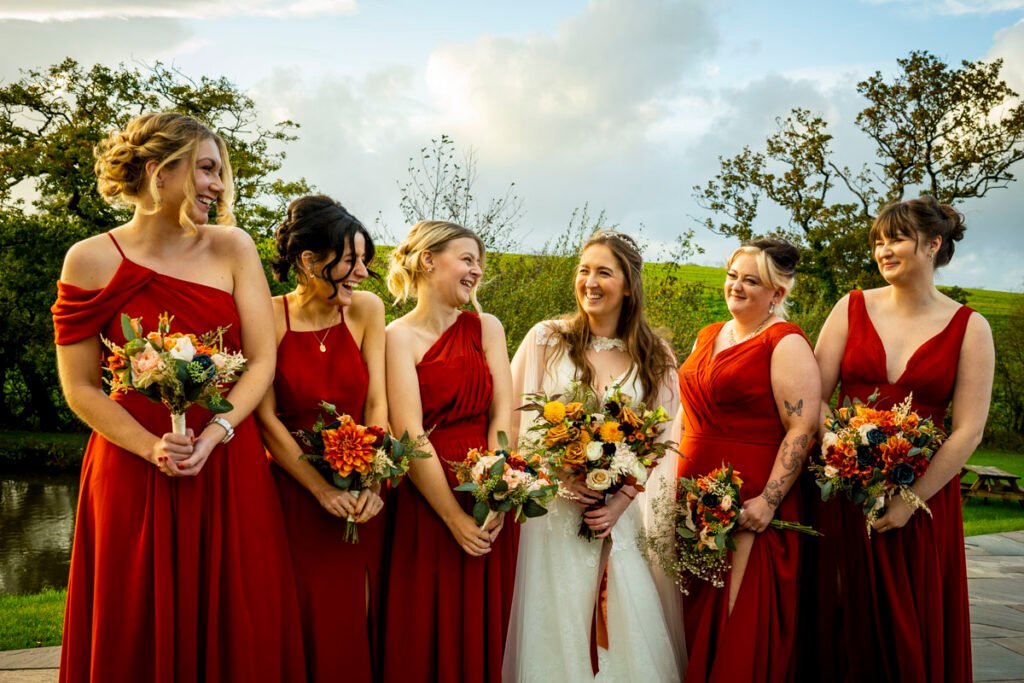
[(600, 283)]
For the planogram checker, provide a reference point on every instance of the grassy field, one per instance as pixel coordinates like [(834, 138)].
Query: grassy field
[(995, 516), (31, 620)]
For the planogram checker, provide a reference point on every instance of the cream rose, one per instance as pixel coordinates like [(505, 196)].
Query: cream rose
[(830, 439), (599, 480), (831, 471), (182, 349), (594, 450)]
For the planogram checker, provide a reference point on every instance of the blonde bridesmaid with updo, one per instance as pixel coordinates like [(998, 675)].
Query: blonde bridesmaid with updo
[(179, 569)]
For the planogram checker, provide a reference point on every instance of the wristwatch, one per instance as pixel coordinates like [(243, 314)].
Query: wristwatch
[(229, 431)]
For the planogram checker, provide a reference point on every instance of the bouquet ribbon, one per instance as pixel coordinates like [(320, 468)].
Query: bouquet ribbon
[(599, 623)]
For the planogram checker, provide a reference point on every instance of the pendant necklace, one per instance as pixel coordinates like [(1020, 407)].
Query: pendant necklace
[(733, 341), (323, 346)]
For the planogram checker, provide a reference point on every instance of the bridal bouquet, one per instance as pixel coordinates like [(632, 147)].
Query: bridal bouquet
[(354, 457), (176, 369), (871, 455), (503, 481), (704, 516), (607, 445)]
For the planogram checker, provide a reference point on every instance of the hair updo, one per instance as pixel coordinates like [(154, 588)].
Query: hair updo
[(923, 216), (323, 226), (166, 138), (776, 265), (406, 270)]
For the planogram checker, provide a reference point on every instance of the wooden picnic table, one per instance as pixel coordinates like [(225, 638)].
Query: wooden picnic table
[(992, 482)]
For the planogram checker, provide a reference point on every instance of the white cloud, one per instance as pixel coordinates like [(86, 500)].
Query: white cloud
[(78, 10), (591, 88), (1009, 46), (955, 7)]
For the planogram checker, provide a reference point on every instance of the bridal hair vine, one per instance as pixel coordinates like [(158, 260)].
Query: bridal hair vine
[(621, 237)]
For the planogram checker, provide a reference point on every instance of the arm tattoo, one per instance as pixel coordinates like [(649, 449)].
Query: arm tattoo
[(772, 493), (792, 409), (792, 458)]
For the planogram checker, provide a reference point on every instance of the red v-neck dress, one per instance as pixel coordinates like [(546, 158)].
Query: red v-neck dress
[(174, 579), (730, 416), (447, 611), (905, 591), (331, 575)]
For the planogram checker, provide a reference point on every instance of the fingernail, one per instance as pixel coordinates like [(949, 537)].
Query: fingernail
[(180, 466)]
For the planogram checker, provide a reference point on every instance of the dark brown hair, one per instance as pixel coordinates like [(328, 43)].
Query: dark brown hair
[(925, 217)]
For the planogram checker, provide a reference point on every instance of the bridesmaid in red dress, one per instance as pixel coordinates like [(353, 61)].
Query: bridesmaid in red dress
[(179, 569), (749, 393), (330, 347), (450, 584), (904, 597)]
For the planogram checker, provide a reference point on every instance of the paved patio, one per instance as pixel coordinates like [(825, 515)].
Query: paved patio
[(995, 574)]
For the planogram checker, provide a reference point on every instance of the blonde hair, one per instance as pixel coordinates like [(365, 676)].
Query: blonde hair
[(406, 270), (167, 138), (776, 261)]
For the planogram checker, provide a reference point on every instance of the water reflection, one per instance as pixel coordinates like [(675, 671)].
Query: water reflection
[(37, 525)]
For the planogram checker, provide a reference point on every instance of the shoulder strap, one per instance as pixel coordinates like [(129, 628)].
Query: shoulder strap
[(287, 320), (119, 250)]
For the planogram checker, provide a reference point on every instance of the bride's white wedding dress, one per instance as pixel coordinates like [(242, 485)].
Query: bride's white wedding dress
[(557, 572)]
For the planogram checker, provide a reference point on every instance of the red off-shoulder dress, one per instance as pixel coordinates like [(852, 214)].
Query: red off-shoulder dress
[(904, 592), (730, 416), (174, 579), (332, 576), (448, 612)]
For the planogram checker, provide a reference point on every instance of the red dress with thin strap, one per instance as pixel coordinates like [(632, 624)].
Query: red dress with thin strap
[(174, 579), (905, 591), (448, 612), (331, 575), (730, 416)]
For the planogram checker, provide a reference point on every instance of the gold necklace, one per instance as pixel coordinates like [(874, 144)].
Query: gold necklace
[(733, 341), (323, 346)]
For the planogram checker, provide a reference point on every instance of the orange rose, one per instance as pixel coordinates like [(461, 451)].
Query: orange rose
[(575, 454), (610, 432), (556, 435), (574, 411), (116, 363)]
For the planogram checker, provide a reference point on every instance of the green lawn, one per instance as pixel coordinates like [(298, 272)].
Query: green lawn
[(994, 516), (31, 620)]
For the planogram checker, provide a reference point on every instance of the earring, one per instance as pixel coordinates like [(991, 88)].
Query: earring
[(430, 269), (771, 308)]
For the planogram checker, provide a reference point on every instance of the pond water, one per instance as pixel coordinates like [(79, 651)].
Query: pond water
[(37, 525)]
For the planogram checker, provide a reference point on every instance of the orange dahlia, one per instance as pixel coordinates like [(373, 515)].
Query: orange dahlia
[(349, 448)]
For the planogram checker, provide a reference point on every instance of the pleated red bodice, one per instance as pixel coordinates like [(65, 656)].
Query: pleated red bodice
[(730, 416), (448, 610), (905, 601), (173, 579)]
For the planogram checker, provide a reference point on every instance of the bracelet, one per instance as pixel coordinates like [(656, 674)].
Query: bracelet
[(626, 493), (229, 431)]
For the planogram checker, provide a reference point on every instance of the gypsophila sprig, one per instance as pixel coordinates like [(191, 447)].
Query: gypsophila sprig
[(700, 525), (176, 369)]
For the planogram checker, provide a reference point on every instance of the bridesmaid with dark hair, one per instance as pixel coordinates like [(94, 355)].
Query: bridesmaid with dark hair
[(179, 570), (749, 392), (330, 347), (904, 588), (450, 584)]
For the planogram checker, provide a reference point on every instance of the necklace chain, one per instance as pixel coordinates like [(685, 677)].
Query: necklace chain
[(322, 340), (606, 343), (733, 341)]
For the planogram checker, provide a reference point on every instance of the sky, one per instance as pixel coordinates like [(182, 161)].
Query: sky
[(620, 105)]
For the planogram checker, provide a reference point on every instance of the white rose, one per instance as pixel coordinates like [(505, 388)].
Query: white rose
[(640, 472), (831, 439), (594, 450), (597, 418), (864, 429), (183, 349), (831, 471), (219, 359), (483, 465), (599, 480)]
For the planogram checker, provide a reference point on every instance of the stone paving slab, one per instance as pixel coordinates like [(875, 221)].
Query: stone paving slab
[(32, 658), (29, 676)]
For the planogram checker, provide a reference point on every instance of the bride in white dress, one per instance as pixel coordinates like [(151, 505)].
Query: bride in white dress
[(608, 342)]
